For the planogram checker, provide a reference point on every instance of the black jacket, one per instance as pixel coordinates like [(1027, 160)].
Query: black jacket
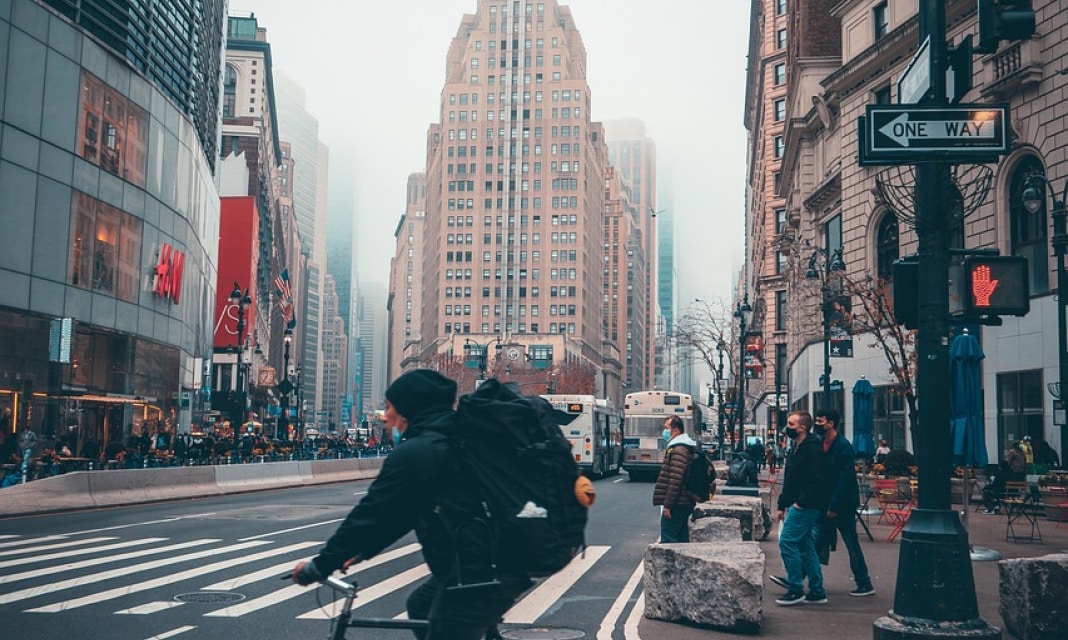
[(802, 482), (417, 488), (843, 491)]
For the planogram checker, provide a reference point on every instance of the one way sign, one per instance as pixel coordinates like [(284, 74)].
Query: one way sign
[(912, 134)]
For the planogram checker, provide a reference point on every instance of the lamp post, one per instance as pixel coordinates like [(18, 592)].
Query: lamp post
[(1033, 199), (477, 355), (242, 302), (831, 263), (721, 418), (300, 403), (739, 312), (282, 432)]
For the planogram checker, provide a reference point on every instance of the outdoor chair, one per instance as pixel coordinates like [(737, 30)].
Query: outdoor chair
[(889, 497), (899, 516)]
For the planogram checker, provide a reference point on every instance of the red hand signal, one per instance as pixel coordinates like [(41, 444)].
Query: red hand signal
[(982, 286)]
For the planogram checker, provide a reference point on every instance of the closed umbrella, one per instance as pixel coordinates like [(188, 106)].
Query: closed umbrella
[(966, 401), (863, 395)]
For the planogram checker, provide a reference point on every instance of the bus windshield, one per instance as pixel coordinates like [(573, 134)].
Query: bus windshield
[(643, 426)]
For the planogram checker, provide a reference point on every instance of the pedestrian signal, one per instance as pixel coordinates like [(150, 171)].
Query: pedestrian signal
[(991, 286)]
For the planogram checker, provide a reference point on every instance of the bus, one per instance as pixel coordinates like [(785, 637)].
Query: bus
[(644, 413), (595, 430)]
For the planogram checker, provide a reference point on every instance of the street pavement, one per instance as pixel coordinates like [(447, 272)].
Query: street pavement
[(849, 618)]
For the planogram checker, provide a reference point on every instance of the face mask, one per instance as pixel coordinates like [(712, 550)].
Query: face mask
[(819, 429), (791, 433), (667, 435), (396, 437)]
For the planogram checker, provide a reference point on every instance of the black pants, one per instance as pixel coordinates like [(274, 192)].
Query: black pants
[(462, 614)]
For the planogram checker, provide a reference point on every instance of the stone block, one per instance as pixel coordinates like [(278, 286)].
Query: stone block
[(747, 509), (715, 529), (1033, 593), (718, 585)]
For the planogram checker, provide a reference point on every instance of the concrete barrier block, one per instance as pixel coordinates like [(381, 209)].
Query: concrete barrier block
[(124, 486), (258, 476), (720, 585), (68, 491), (1033, 594)]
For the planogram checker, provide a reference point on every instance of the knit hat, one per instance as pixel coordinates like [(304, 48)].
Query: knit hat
[(419, 390)]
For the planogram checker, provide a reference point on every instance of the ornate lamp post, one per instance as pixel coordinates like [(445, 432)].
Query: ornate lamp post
[(830, 265), (739, 312), (285, 387), (242, 302), (300, 403), (720, 380), (477, 355), (1033, 199)]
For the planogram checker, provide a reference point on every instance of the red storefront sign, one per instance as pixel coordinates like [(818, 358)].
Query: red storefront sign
[(169, 267)]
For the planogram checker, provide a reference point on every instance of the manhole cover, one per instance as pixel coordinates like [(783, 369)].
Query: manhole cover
[(209, 597), (543, 633)]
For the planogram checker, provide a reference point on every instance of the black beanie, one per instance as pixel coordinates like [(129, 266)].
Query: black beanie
[(419, 390)]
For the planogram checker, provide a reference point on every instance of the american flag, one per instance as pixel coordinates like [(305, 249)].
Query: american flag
[(285, 298)]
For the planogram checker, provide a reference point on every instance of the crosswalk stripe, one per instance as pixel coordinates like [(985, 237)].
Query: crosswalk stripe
[(32, 592), (15, 577), (171, 633), (81, 552), (275, 534), (293, 591), (630, 627), (151, 607), (118, 592), (57, 545), (538, 601), (369, 594), (20, 542), (608, 624)]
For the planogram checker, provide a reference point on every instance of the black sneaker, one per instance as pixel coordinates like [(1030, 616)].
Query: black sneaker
[(779, 580), (791, 598), (813, 598), (861, 592)]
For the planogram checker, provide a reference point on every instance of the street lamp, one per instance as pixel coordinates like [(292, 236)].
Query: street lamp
[(476, 356), (739, 312), (282, 433), (242, 302), (300, 403), (1033, 198), (830, 265), (721, 418)]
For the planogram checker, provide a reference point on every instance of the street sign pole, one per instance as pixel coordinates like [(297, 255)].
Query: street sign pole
[(934, 544)]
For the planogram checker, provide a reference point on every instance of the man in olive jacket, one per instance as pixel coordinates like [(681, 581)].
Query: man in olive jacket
[(801, 503), (670, 491), (420, 488)]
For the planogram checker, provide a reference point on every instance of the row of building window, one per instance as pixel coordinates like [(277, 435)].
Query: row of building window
[(564, 131), (554, 310), (472, 168), (521, 327)]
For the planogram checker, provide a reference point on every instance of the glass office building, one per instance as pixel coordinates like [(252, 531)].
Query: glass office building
[(108, 215)]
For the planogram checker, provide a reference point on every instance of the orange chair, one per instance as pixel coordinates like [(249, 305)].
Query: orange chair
[(886, 492), (899, 516)]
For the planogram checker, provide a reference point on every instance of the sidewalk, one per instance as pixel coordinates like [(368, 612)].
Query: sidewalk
[(848, 618)]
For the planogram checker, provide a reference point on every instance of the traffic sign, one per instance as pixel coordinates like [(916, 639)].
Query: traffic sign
[(916, 81), (912, 134)]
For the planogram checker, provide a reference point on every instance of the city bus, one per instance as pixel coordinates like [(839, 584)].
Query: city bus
[(644, 413), (595, 430)]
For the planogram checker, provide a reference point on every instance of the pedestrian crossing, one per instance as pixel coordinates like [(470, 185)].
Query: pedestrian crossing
[(137, 577)]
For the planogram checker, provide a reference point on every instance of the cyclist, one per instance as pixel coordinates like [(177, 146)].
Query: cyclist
[(420, 488)]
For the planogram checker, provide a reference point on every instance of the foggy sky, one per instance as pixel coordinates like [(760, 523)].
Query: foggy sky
[(374, 70)]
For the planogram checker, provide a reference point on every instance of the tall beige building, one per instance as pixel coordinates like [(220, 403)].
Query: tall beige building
[(405, 302), (513, 253)]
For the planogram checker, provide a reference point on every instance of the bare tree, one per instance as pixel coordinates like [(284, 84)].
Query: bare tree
[(704, 329), (875, 318)]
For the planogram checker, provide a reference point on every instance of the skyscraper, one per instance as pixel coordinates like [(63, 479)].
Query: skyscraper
[(513, 261)]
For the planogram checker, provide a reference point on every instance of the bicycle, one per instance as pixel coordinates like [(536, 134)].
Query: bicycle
[(344, 620)]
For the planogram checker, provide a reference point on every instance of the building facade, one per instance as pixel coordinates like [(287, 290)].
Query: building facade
[(109, 219)]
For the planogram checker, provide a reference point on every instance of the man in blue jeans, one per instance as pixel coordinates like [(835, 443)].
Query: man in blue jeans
[(801, 503)]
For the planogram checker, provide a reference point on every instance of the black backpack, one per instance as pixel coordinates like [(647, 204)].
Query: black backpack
[(742, 472), (700, 475), (511, 447)]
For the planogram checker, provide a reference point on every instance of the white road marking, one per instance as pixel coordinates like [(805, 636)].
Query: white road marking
[(137, 524), (15, 543), (171, 633), (151, 607), (370, 594), (538, 601), (608, 624), (119, 592), (272, 534), (630, 627), (81, 552), (49, 547), (95, 562)]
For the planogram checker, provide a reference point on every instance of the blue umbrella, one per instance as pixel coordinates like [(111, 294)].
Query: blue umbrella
[(863, 393), (966, 401)]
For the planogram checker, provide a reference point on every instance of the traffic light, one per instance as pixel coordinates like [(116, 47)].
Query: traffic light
[(906, 291), (990, 286), (1003, 20)]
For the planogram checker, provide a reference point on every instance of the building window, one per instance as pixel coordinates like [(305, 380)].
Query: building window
[(780, 221), (832, 235), (112, 131), (780, 7), (881, 95), (1019, 407), (105, 255), (780, 73), (888, 412), (887, 248), (780, 39), (1028, 231), (780, 109), (229, 91), (780, 314), (780, 146), (879, 20)]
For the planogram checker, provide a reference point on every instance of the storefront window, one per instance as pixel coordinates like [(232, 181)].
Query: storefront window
[(106, 248)]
